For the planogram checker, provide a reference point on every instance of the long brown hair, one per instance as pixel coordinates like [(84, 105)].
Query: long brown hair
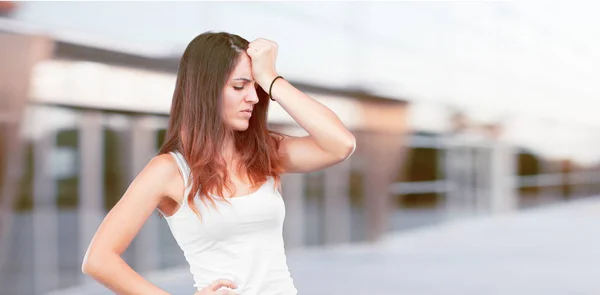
[(196, 127)]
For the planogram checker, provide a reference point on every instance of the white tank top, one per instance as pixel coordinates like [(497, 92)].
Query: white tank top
[(241, 241)]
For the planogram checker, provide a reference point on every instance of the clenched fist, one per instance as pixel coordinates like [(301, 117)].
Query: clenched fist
[(213, 289), (263, 54)]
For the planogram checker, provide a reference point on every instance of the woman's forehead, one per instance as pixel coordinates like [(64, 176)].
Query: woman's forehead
[(243, 68)]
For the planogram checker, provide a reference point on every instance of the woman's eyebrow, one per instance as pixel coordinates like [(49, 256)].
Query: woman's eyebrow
[(243, 79)]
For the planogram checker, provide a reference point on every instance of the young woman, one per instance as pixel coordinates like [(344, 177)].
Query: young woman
[(216, 178)]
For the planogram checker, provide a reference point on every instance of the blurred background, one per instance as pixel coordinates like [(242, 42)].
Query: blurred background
[(467, 115)]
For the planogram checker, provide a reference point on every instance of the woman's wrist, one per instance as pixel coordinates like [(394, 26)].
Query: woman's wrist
[(266, 80)]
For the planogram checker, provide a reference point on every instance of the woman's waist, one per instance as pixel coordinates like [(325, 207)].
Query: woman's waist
[(247, 275), (255, 282), (219, 263)]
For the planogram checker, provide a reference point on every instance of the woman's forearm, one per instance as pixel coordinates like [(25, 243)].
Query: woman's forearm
[(320, 122), (114, 273)]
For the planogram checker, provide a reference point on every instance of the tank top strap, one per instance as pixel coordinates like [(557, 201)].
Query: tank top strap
[(183, 166)]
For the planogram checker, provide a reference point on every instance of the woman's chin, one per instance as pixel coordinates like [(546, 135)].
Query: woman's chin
[(240, 126)]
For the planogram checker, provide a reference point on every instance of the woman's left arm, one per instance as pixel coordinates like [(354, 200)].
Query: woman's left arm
[(328, 141)]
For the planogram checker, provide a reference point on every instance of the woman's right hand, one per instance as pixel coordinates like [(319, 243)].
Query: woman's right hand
[(213, 288)]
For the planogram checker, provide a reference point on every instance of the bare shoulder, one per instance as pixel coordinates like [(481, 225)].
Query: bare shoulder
[(163, 164), (160, 167), (157, 180), (277, 136), (163, 169)]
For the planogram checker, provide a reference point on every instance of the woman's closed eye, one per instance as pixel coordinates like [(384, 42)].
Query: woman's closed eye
[(238, 87)]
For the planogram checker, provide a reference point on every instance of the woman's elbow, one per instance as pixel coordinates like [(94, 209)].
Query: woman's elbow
[(91, 264), (88, 266), (348, 147)]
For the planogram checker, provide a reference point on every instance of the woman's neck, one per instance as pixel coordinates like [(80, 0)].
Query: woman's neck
[(228, 149)]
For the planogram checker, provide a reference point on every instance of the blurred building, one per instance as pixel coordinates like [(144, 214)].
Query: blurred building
[(79, 118)]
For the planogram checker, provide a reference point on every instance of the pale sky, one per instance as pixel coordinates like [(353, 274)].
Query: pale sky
[(521, 56), (538, 59)]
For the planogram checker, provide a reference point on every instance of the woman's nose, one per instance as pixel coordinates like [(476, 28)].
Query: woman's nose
[(252, 97)]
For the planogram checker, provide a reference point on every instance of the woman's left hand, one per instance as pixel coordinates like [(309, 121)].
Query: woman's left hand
[(263, 54)]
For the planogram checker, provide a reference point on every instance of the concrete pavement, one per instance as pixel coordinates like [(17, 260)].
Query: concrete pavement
[(545, 251)]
